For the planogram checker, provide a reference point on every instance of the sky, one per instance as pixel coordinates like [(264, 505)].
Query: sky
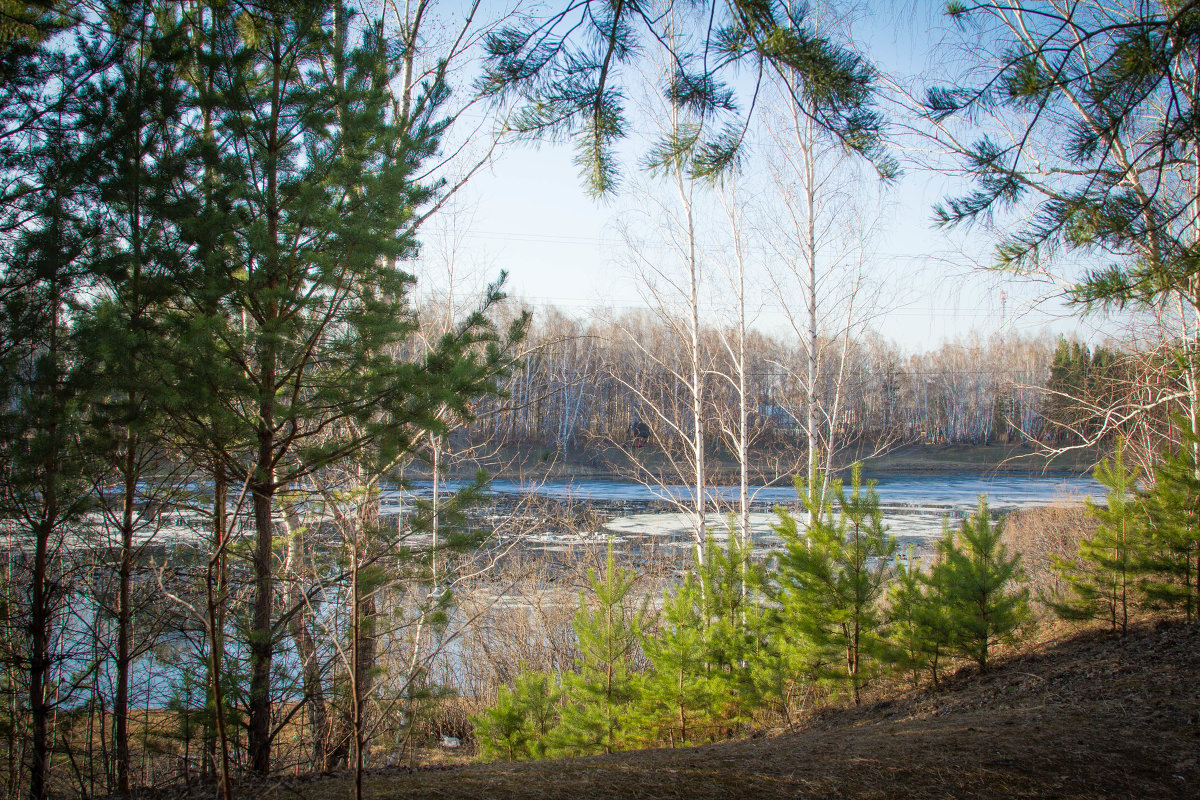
[(529, 215)]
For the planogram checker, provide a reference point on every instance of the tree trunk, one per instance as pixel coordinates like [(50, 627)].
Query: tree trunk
[(362, 643), (125, 616), (356, 725), (306, 648), (41, 592), (810, 418), (39, 659), (261, 644), (214, 585)]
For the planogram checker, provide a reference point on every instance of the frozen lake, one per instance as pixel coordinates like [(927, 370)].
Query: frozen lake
[(914, 507), (1004, 492)]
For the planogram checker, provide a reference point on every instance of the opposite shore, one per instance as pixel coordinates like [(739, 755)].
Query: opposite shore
[(608, 462)]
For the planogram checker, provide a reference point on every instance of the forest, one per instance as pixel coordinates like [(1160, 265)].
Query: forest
[(582, 382), (229, 394)]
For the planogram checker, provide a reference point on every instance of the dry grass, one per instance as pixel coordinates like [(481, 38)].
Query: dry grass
[(1014, 458), (1088, 716), (1043, 534)]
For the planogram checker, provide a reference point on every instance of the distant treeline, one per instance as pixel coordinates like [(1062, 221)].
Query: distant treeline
[(585, 381)]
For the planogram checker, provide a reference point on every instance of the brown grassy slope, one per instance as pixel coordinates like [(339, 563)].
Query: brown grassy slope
[(1088, 717)]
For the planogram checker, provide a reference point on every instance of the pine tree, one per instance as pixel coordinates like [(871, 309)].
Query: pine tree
[(132, 167), (516, 727), (599, 695), (791, 659), (830, 581), (1104, 574), (678, 697), (1170, 555), (43, 485), (735, 614), (918, 629), (698, 678), (84, 161), (776, 673), (978, 585), (1063, 392), (307, 176), (568, 68)]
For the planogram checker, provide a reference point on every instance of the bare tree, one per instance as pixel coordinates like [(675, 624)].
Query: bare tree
[(820, 231), (669, 269)]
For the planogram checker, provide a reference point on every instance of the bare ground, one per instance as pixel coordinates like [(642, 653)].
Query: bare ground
[(1088, 716)]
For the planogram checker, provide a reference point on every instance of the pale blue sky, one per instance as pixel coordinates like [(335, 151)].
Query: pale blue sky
[(530, 216)]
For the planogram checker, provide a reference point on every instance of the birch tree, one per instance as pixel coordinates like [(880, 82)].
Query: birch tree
[(673, 288), (821, 234)]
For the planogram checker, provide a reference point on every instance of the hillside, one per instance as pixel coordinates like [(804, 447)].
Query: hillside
[(1089, 716)]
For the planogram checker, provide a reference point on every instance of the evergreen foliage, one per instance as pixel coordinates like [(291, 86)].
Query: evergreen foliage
[(319, 177), (133, 165), (1103, 576), (44, 489), (1170, 555), (1080, 379), (567, 70), (733, 639), (598, 697), (978, 585), (699, 679), (297, 307), (831, 579), (31, 62), (517, 726), (205, 208), (918, 628), (29, 22), (680, 695), (1117, 117), (1099, 125)]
